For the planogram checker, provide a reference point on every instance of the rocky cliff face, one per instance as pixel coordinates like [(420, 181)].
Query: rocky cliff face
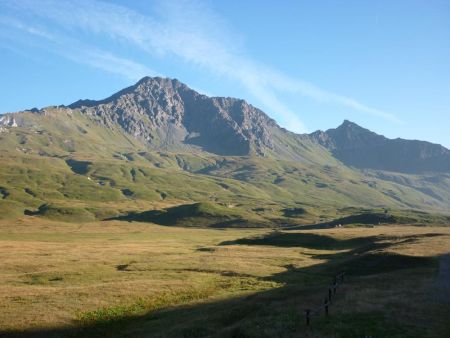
[(168, 115), (8, 121), (361, 148)]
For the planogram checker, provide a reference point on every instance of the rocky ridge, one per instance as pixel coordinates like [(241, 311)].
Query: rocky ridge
[(362, 148)]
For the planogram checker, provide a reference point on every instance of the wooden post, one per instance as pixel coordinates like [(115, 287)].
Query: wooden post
[(326, 306), (308, 314)]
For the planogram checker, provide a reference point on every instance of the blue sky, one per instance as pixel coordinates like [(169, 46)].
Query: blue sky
[(308, 64)]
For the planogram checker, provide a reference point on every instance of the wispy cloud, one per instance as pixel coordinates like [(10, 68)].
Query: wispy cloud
[(79, 52), (192, 32)]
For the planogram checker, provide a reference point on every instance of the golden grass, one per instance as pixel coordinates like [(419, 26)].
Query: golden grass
[(54, 273)]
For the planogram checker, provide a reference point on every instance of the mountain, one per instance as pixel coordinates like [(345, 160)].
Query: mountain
[(167, 115), (160, 144), (362, 148)]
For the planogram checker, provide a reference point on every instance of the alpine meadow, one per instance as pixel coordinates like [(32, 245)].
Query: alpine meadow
[(165, 211)]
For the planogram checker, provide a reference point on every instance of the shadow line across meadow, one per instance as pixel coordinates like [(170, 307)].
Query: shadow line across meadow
[(270, 313)]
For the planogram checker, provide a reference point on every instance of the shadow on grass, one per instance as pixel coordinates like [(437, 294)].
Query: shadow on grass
[(368, 219), (305, 240), (272, 313), (194, 215), (359, 256), (323, 242)]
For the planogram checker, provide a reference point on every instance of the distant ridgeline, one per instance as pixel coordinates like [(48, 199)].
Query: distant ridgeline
[(160, 144)]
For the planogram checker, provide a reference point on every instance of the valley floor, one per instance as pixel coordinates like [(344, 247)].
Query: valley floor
[(128, 279)]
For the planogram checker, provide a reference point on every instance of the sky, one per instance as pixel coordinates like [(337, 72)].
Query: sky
[(308, 64)]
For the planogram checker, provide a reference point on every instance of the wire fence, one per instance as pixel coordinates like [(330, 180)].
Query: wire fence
[(324, 308)]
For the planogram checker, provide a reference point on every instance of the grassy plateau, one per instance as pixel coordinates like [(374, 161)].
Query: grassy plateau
[(102, 235), (124, 278)]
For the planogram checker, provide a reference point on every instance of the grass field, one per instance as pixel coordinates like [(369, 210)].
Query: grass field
[(135, 279), (107, 234)]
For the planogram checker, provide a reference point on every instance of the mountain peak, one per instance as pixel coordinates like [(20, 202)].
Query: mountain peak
[(162, 81), (166, 114), (362, 148), (144, 86), (347, 124)]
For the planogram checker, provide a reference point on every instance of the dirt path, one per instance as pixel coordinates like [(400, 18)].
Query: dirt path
[(443, 278)]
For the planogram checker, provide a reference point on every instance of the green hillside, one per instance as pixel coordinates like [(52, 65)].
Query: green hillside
[(199, 215), (61, 158)]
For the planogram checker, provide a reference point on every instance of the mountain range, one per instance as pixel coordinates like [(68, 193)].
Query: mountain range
[(361, 148), (160, 141)]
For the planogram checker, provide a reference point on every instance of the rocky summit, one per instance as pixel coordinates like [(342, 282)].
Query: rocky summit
[(166, 114), (159, 140), (362, 148)]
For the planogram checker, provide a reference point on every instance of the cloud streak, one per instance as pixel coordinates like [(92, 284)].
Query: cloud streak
[(190, 31), (78, 52)]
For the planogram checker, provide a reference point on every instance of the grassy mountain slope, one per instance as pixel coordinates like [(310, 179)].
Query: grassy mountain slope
[(137, 180), (89, 162)]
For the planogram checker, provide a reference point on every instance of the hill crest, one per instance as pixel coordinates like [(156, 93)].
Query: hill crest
[(364, 149)]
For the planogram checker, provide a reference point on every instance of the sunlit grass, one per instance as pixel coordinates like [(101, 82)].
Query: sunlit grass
[(57, 274)]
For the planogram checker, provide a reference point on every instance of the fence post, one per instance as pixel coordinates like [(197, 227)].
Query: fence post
[(332, 289)]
